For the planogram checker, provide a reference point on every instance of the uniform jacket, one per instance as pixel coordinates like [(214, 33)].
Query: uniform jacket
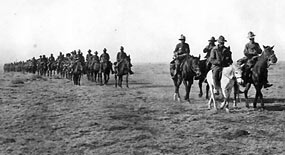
[(208, 50), (181, 48), (220, 57), (252, 49), (104, 57), (121, 55)]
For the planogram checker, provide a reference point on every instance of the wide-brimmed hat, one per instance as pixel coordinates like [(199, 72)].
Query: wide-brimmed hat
[(89, 51), (212, 39), (96, 52), (222, 39), (121, 48), (104, 49), (250, 35), (182, 37)]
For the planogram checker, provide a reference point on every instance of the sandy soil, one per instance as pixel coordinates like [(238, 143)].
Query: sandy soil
[(52, 116)]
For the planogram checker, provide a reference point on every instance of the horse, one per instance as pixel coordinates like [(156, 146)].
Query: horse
[(189, 69), (229, 76), (202, 78), (105, 69), (51, 67), (43, 68), (122, 68), (77, 72), (59, 67), (256, 76), (94, 70)]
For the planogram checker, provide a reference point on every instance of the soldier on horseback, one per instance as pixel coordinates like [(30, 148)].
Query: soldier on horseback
[(220, 57), (122, 56), (181, 51), (251, 52), (104, 57), (208, 50), (51, 59), (89, 56), (95, 57)]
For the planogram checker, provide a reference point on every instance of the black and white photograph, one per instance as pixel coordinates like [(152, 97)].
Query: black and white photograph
[(142, 77)]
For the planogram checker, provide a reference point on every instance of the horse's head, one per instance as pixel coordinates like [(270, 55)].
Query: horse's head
[(128, 58), (269, 54), (196, 65), (238, 73)]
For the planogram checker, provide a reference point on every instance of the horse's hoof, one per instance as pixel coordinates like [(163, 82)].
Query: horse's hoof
[(200, 95)]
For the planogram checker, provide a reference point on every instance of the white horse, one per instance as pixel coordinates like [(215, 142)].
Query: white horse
[(230, 75)]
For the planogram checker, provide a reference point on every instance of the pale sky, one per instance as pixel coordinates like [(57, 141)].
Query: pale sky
[(148, 29)]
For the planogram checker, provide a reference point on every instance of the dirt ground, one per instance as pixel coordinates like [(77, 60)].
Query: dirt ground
[(39, 115)]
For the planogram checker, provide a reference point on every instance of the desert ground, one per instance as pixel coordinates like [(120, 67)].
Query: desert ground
[(41, 115)]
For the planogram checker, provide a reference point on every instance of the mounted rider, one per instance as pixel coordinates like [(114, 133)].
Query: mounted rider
[(181, 51), (104, 57), (60, 57), (95, 57), (220, 57), (208, 50), (122, 56), (89, 56), (251, 51), (44, 59), (51, 59)]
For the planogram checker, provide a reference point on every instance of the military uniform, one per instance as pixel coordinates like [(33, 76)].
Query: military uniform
[(121, 56), (89, 56), (181, 50), (104, 57), (251, 51), (208, 50), (95, 57), (220, 57)]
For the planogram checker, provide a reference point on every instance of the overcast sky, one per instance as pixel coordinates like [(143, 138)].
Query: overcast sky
[(148, 29)]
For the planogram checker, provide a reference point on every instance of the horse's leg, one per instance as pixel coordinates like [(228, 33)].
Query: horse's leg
[(74, 80), (127, 80), (200, 87), (120, 80), (207, 91), (246, 94), (212, 98), (187, 89), (177, 82), (116, 81), (261, 99), (78, 80), (101, 78), (257, 94)]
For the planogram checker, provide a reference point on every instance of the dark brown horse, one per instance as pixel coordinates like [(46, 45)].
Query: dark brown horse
[(77, 72), (94, 70), (202, 78), (105, 69), (256, 75), (122, 68), (51, 68), (189, 69)]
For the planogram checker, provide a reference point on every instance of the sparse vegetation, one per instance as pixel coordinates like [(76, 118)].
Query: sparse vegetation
[(56, 117)]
